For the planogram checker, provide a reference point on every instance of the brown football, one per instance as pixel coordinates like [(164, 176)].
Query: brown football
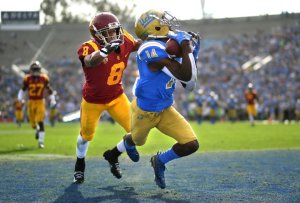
[(173, 48)]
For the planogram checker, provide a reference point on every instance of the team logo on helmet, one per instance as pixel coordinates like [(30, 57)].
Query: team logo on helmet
[(155, 24)]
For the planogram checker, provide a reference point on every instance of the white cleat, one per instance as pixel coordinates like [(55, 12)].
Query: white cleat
[(41, 145)]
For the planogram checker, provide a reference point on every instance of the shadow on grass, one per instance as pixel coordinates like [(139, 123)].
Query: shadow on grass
[(126, 194), (24, 149)]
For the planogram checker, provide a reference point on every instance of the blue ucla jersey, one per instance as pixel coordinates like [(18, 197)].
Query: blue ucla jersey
[(200, 100), (154, 90), (212, 103), (231, 103)]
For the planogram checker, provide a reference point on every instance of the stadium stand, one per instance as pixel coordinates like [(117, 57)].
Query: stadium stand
[(226, 46)]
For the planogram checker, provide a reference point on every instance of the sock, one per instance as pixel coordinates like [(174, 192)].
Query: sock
[(41, 136), (80, 164), (82, 147), (167, 156), (115, 152), (121, 146), (251, 118)]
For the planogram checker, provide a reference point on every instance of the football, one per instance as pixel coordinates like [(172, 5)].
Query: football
[(173, 48)]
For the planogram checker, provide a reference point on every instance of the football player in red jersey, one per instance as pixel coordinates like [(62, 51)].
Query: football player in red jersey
[(251, 98), (36, 82), (19, 111), (103, 59)]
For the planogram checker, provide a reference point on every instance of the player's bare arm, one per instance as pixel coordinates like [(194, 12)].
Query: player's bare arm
[(98, 56), (180, 71), (49, 88)]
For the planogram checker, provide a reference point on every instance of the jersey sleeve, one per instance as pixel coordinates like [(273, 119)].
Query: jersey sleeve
[(46, 79), (130, 40), (152, 51), (25, 82), (86, 49)]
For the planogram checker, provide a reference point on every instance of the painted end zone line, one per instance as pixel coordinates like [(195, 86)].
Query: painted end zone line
[(34, 156)]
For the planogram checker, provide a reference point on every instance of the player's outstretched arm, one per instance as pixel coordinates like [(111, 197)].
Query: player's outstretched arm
[(97, 57)]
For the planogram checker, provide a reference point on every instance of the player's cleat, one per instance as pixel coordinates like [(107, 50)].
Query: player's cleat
[(132, 152), (113, 163), (79, 171), (41, 145), (78, 177), (159, 171)]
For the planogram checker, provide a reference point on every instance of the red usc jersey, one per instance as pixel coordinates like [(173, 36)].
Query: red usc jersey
[(36, 86), (103, 83), (18, 105), (250, 96)]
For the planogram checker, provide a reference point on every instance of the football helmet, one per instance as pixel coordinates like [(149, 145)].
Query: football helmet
[(35, 68), (105, 27), (155, 24)]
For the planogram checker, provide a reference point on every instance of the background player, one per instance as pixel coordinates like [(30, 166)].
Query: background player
[(232, 108), (200, 101), (251, 98), (36, 82), (54, 115), (19, 111), (212, 103), (103, 59)]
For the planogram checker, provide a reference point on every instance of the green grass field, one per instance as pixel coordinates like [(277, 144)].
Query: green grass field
[(61, 139)]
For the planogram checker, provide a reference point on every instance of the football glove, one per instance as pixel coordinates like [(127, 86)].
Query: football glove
[(196, 44), (179, 36), (112, 46)]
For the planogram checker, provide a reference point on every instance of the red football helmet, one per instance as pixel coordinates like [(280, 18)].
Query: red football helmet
[(106, 27)]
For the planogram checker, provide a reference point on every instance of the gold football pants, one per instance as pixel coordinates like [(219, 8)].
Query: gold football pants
[(169, 122), (119, 110)]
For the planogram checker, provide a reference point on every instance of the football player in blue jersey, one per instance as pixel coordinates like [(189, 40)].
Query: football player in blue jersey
[(212, 103), (200, 100), (153, 90), (231, 108)]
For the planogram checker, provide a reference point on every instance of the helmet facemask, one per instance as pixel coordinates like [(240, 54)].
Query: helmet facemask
[(169, 20), (35, 69), (105, 36)]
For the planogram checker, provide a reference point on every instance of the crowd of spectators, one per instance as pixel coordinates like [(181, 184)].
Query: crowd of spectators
[(220, 70), (277, 82)]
